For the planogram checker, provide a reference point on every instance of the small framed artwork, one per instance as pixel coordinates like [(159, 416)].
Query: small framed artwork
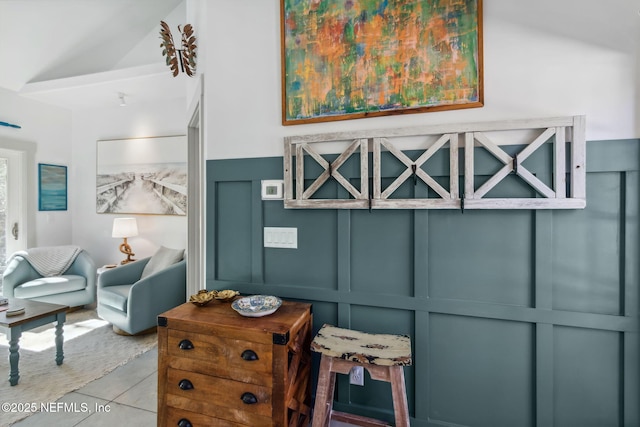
[(344, 59), (52, 187)]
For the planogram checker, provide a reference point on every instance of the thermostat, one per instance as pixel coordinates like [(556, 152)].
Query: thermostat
[(272, 189)]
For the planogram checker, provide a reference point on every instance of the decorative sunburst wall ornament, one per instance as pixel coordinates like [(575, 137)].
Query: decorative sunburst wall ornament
[(186, 56)]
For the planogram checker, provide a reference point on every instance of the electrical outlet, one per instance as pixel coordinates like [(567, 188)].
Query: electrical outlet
[(356, 375)]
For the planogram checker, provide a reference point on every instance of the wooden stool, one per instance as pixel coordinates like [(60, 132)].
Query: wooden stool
[(382, 355)]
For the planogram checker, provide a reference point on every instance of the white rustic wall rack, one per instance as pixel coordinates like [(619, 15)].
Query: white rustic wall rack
[(567, 134)]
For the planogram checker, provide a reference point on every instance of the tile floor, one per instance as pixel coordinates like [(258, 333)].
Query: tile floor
[(127, 396)]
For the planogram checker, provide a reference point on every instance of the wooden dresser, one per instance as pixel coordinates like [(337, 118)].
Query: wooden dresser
[(218, 368)]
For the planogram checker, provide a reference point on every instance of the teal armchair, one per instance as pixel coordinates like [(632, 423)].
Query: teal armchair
[(75, 287), (132, 304)]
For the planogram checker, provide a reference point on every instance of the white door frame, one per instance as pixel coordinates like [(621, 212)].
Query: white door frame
[(22, 183), (196, 224)]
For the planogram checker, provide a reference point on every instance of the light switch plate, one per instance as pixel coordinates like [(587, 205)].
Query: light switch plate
[(281, 237)]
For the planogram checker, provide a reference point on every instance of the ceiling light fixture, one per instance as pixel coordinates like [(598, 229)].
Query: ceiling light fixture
[(123, 103)]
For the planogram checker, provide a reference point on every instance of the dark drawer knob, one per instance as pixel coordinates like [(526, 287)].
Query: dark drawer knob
[(249, 398), (186, 345), (249, 355), (184, 423), (185, 385)]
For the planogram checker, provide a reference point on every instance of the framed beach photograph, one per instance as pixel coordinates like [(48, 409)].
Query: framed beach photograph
[(142, 176), (347, 59), (52, 187)]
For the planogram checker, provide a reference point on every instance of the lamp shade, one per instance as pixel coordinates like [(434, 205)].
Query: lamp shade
[(124, 227)]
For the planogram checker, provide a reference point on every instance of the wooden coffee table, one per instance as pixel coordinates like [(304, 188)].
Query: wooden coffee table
[(35, 314)]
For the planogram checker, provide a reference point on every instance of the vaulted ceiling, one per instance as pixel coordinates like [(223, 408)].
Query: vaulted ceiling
[(82, 53)]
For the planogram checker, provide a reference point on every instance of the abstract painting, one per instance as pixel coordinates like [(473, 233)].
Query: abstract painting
[(142, 176), (347, 59), (52, 187)]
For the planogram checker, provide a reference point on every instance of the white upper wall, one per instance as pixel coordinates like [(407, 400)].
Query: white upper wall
[(50, 129), (541, 59), (69, 139), (91, 230)]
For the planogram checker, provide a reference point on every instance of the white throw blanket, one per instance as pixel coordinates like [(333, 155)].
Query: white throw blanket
[(50, 261)]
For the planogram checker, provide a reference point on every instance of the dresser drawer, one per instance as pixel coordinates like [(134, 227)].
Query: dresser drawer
[(219, 397), (225, 354), (201, 367), (175, 416)]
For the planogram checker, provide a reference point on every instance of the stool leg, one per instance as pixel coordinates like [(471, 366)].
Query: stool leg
[(398, 390), (324, 393)]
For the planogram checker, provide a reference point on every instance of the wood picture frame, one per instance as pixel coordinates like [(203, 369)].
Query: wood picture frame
[(52, 187), (346, 60), (561, 140)]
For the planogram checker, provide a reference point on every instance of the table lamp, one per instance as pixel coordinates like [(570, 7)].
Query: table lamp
[(125, 227)]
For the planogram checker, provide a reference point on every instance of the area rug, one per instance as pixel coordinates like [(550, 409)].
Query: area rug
[(91, 350)]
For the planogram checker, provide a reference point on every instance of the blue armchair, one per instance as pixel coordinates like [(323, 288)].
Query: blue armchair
[(132, 304), (74, 287)]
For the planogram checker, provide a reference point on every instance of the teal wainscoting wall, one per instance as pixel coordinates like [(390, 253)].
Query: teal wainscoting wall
[(517, 317)]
